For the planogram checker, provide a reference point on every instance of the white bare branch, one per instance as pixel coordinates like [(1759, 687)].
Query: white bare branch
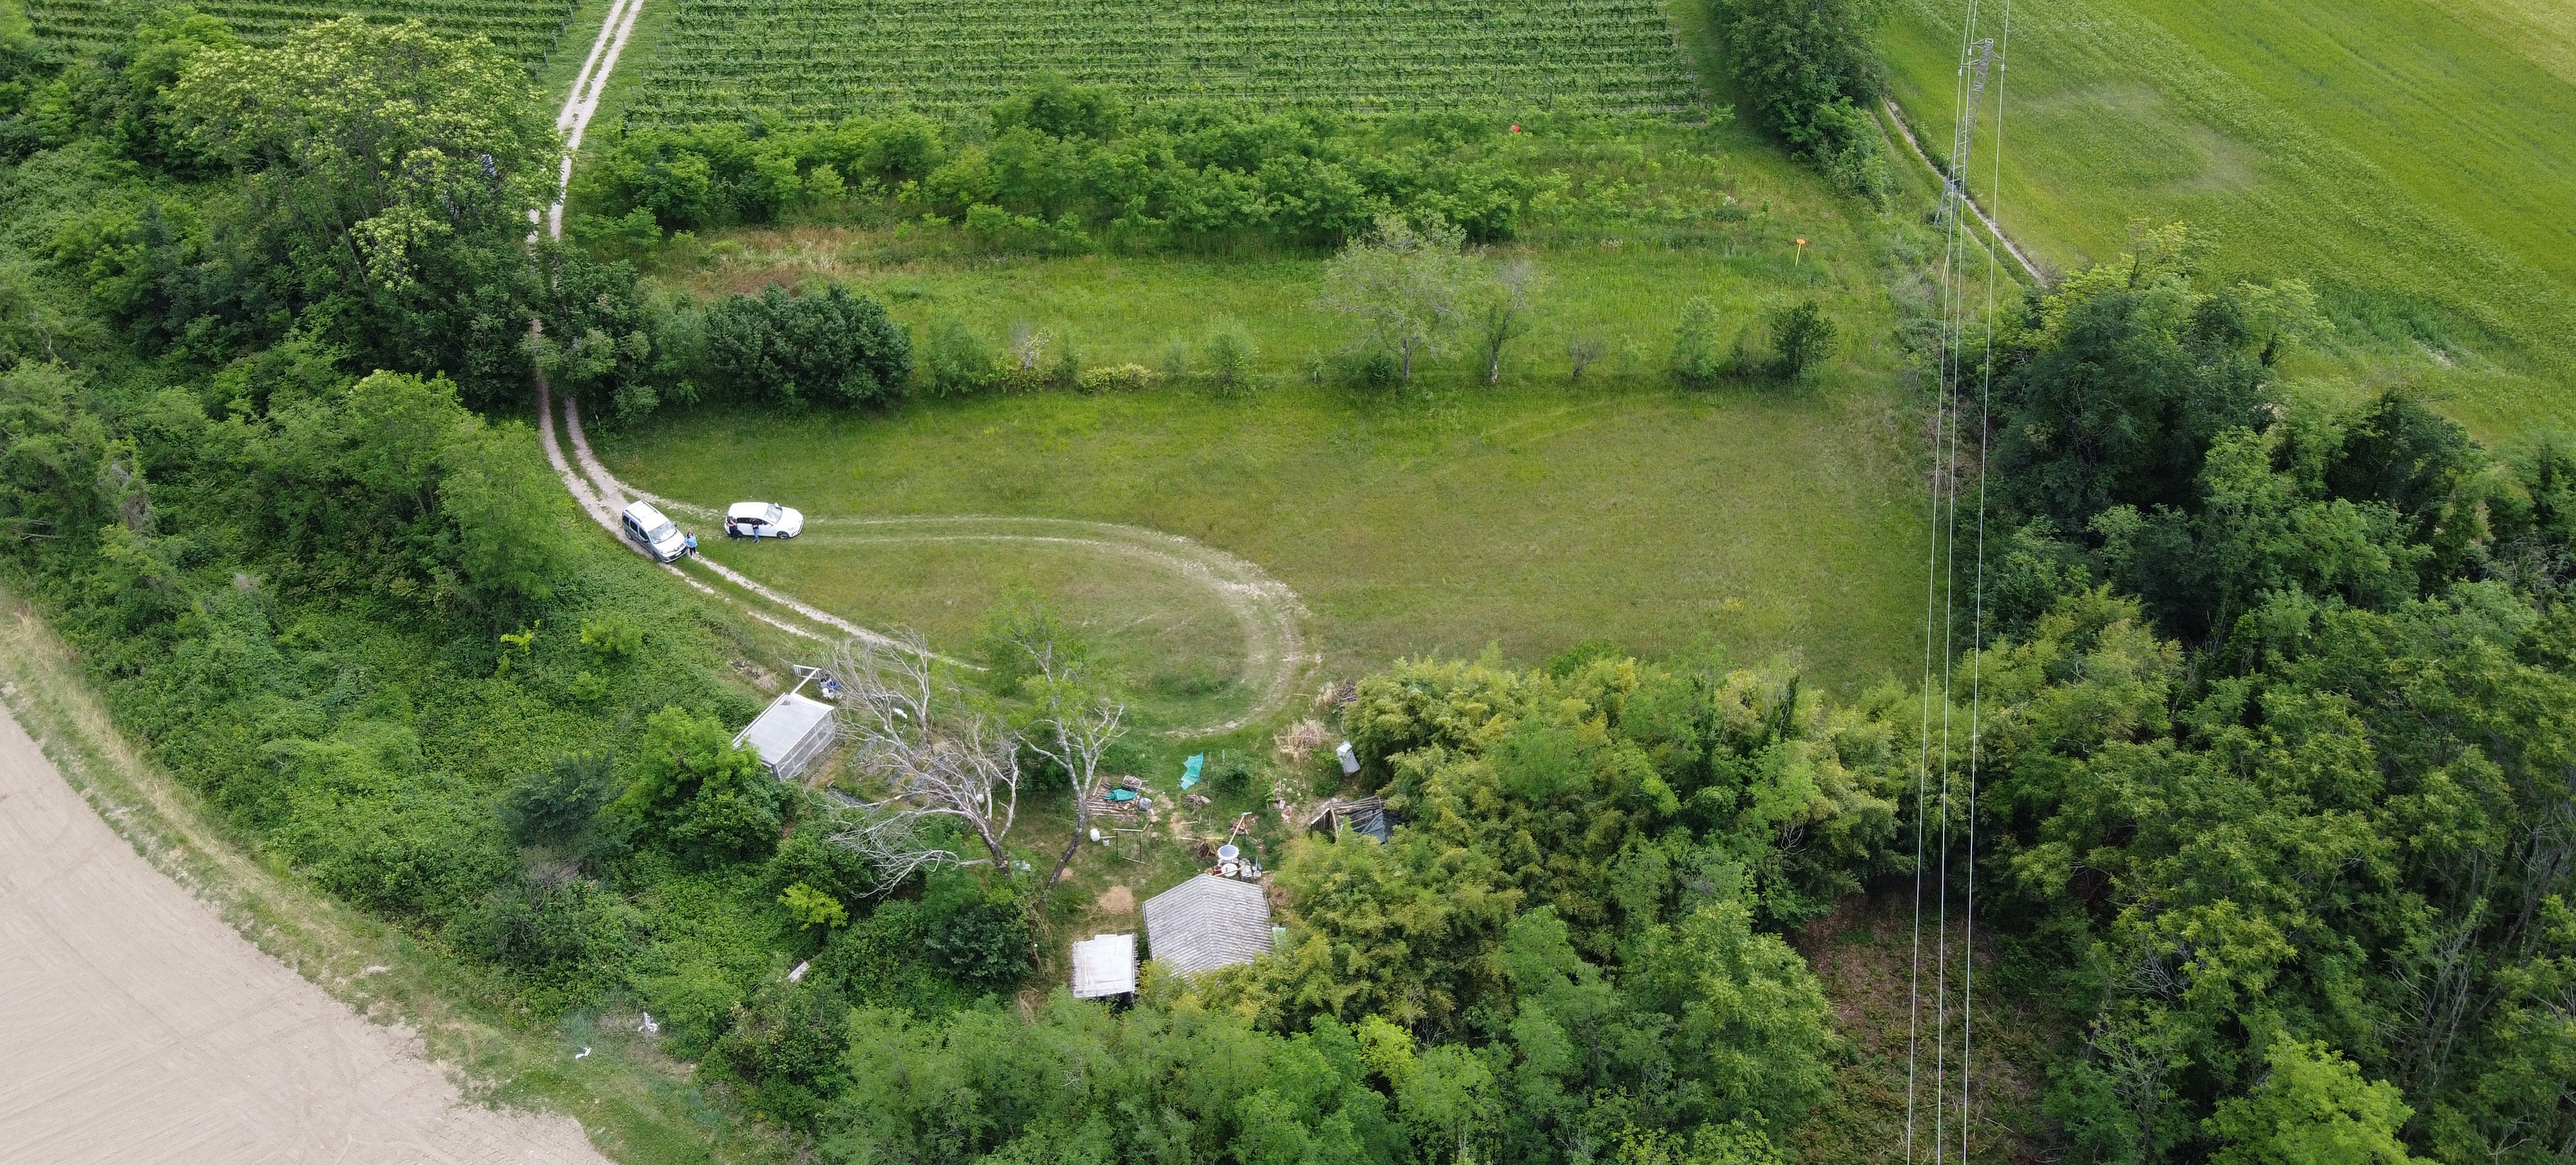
[(1077, 725), (891, 838), (933, 759)]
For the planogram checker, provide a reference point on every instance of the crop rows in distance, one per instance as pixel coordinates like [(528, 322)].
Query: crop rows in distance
[(526, 29), (821, 59)]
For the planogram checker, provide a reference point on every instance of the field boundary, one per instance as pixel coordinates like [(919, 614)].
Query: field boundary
[(1905, 130)]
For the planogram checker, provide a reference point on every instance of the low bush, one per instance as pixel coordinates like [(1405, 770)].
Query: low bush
[(1116, 378)]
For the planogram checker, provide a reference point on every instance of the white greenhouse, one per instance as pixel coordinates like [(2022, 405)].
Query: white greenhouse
[(794, 731)]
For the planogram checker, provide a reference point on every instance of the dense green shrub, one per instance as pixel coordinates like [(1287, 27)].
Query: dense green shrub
[(367, 819), (962, 359), (1696, 362), (1229, 352), (697, 793), (808, 857), (569, 940), (834, 346), (1801, 337), (787, 1046), (1036, 177), (559, 804), (1806, 68), (977, 934)]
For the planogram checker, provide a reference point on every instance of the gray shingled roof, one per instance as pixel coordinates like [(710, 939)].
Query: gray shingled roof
[(1208, 922)]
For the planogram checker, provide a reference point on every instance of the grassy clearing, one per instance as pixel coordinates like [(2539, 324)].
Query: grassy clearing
[(2414, 162), (1174, 637), (1446, 518), (1528, 518), (1863, 954)]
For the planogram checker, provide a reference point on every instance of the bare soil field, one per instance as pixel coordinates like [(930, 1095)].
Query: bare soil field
[(139, 1027)]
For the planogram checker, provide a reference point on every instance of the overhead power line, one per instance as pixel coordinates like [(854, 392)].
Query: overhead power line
[(1951, 793)]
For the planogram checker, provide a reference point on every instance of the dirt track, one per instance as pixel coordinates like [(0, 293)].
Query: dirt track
[(1275, 651), (136, 1026)]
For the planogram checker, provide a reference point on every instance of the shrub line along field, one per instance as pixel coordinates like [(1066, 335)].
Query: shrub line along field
[(721, 58)]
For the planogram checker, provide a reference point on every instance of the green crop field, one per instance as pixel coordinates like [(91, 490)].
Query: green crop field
[(716, 59), (529, 30), (2416, 162)]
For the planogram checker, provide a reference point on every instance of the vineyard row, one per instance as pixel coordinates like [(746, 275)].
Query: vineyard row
[(821, 58), (526, 29)]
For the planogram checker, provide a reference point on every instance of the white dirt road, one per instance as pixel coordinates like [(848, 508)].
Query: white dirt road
[(135, 1026)]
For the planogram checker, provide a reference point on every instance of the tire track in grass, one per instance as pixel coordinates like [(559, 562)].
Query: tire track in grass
[(583, 101), (603, 507), (1276, 653)]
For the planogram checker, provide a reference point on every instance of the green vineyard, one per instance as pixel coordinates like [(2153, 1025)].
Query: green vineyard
[(525, 29), (819, 59)]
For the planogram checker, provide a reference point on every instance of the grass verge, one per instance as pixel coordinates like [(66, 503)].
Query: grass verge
[(636, 1105)]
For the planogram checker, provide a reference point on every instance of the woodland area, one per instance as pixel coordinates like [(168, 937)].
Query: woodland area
[(2278, 698)]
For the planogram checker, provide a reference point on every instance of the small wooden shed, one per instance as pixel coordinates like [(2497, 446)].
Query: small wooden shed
[(1366, 815)]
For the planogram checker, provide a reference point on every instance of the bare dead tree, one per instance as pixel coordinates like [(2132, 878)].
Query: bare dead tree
[(934, 762), (1503, 311), (1077, 726), (1076, 719), (1028, 345), (897, 846)]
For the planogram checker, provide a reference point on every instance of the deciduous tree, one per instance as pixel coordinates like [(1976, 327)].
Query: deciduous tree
[(1402, 283)]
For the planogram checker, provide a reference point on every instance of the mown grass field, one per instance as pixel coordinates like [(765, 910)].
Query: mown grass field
[(1527, 519), (1445, 518), (2415, 162)]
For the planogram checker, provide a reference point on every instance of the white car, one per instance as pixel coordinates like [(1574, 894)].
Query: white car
[(659, 536), (762, 520)]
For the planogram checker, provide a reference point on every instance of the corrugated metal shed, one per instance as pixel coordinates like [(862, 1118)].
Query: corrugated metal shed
[(1366, 816), (1208, 922), (1104, 965), (793, 731)]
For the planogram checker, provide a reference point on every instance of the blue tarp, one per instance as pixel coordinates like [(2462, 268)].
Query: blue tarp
[(1190, 769)]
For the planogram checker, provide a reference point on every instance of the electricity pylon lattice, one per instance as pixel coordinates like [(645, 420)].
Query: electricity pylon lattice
[(1980, 58)]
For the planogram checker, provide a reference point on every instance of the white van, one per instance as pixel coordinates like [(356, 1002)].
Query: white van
[(659, 536)]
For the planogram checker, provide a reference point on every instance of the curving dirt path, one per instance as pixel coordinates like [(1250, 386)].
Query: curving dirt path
[(1276, 655), (139, 1027)]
